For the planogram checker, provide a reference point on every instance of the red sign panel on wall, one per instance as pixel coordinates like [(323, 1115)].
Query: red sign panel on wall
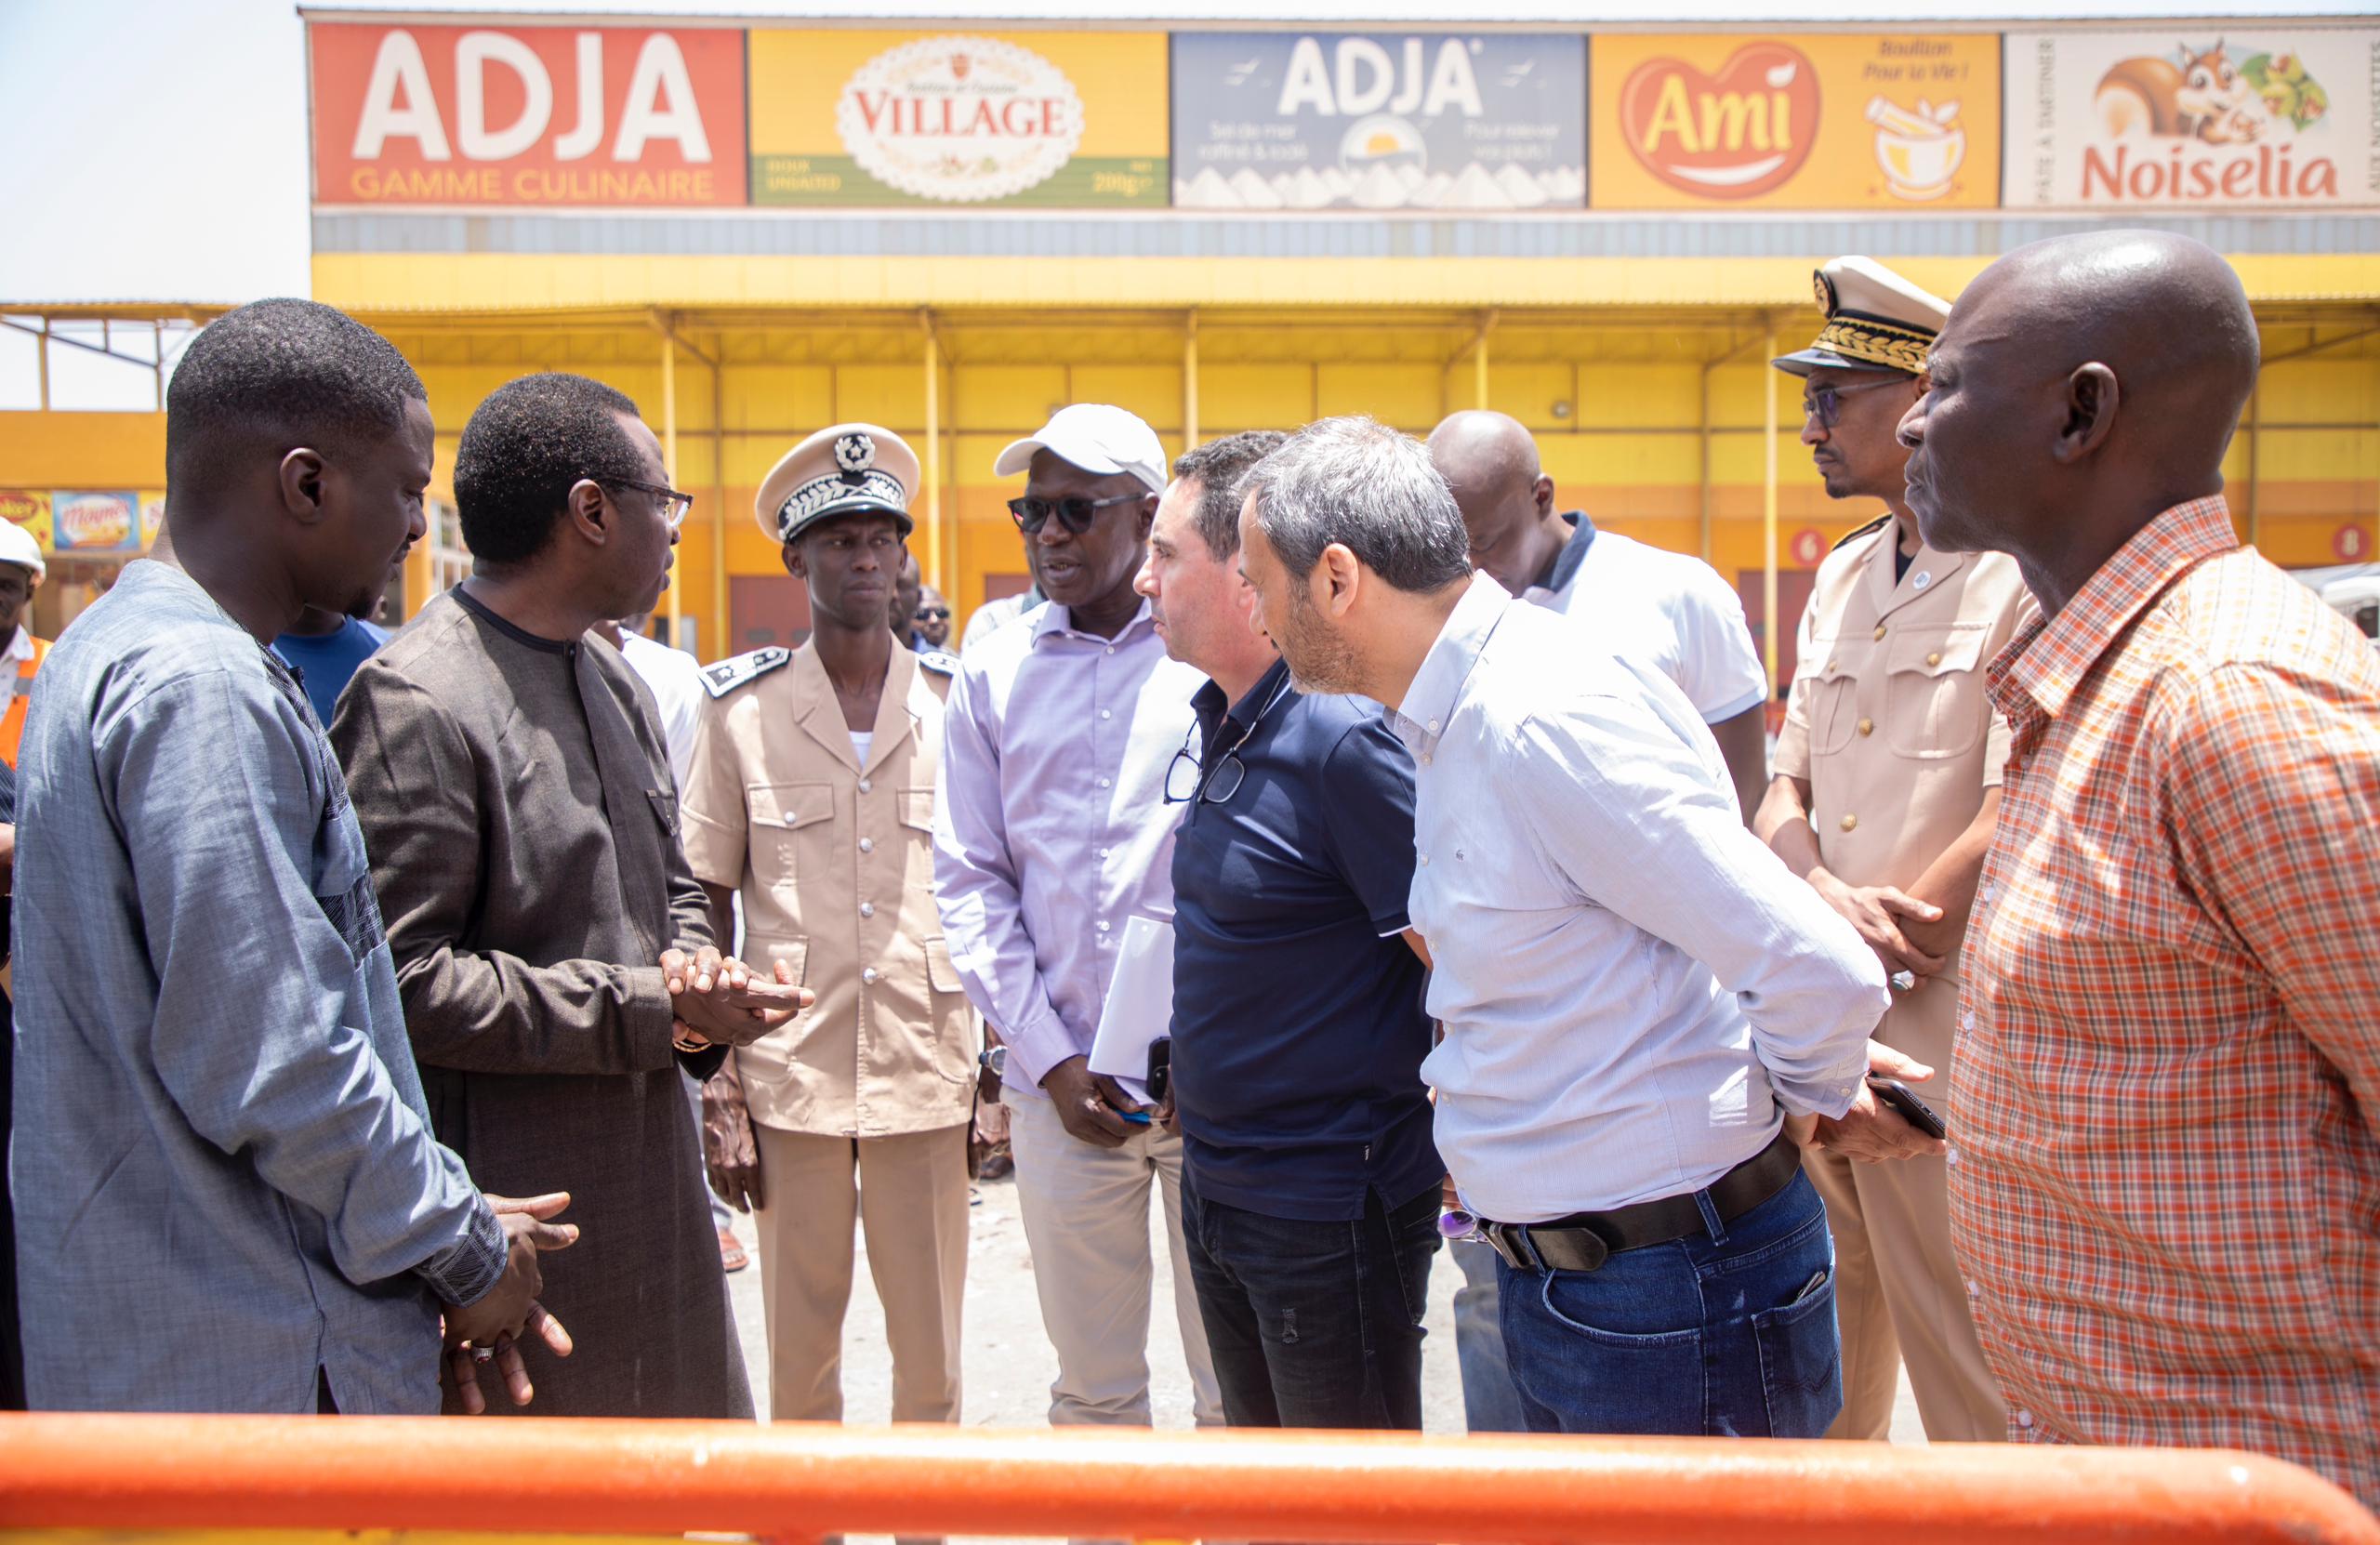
[(527, 115)]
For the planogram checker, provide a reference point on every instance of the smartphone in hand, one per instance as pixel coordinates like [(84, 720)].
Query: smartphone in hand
[(1893, 1092)]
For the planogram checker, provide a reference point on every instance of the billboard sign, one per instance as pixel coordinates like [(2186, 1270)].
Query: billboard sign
[(95, 523), (891, 118), (1795, 122), (2273, 115), (1379, 121), (526, 115)]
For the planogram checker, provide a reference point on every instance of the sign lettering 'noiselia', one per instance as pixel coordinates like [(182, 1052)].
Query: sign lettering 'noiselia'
[(530, 115), (2279, 116), (1279, 121)]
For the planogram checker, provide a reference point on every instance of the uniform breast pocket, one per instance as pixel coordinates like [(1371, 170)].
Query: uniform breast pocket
[(784, 821), (1934, 704), (1833, 693)]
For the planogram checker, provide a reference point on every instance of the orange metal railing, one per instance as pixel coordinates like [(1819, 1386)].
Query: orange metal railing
[(799, 1481)]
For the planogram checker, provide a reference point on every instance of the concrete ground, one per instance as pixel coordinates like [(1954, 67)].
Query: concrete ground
[(1008, 1361)]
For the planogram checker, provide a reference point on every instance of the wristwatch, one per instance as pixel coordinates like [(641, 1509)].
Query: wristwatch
[(994, 1061)]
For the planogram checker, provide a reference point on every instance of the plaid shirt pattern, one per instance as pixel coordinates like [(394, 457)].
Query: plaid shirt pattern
[(2165, 1186)]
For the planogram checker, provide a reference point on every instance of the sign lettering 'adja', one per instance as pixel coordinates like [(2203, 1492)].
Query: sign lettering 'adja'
[(422, 115)]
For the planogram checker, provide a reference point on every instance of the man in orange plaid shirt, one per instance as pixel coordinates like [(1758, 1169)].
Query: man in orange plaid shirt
[(2166, 1185)]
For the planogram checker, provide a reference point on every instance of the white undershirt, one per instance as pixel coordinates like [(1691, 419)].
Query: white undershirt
[(861, 740)]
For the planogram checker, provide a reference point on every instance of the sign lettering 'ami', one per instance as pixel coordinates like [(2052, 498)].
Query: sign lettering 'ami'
[(527, 115), (1052, 119), (1379, 121), (1800, 122), (2257, 116)]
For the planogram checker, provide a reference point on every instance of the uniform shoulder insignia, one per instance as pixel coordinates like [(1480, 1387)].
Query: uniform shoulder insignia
[(938, 661), (1851, 536), (728, 675)]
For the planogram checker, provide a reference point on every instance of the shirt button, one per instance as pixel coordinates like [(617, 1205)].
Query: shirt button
[(1880, 630), (1972, 1290), (1830, 666), (1950, 1156), (868, 909), (865, 785), (1433, 726), (1107, 782), (1106, 714), (1103, 924), (867, 844), (1991, 891), (2025, 1418), (868, 976), (1867, 726), (1425, 860), (1966, 1021), (1848, 823), (1111, 649), (1934, 658), (1104, 852)]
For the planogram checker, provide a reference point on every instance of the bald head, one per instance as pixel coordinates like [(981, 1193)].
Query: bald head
[(1490, 459), (2081, 385)]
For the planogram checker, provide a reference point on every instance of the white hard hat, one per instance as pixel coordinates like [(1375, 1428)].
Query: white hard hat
[(16, 546)]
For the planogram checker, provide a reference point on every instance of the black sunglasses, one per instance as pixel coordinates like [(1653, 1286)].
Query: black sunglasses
[(1074, 513), (1825, 403), (934, 613)]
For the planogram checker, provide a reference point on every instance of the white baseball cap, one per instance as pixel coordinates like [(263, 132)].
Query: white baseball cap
[(1096, 437), (16, 546)]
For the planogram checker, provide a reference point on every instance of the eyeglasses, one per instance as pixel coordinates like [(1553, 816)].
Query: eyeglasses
[(1186, 780), (1825, 403), (675, 507), (934, 613), (1074, 513)]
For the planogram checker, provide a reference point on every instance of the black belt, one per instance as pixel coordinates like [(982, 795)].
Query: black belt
[(1585, 1240)]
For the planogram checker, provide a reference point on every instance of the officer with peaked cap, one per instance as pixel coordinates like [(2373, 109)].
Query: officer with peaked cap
[(1884, 792), (812, 790)]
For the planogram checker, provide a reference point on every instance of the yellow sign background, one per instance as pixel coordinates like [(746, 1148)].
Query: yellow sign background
[(799, 76), (1843, 170)]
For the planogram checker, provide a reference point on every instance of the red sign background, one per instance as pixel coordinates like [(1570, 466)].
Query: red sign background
[(361, 72)]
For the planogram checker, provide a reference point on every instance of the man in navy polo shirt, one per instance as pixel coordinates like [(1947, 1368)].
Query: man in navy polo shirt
[(1310, 1186)]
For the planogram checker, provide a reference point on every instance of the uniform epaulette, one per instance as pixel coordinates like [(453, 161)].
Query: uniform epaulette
[(728, 675), (1851, 536), (940, 662)]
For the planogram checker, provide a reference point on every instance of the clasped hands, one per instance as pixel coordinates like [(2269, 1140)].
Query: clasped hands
[(715, 1000)]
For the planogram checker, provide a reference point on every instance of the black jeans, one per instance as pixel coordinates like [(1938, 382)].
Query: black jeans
[(1314, 1324)]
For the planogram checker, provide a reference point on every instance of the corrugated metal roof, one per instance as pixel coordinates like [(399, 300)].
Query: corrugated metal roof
[(1427, 15)]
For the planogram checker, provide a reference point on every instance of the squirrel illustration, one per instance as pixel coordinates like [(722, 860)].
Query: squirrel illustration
[(2204, 97)]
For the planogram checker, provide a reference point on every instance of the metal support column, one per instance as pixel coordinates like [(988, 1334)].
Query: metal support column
[(1768, 519), (669, 449), (932, 564), (718, 645), (1190, 382)]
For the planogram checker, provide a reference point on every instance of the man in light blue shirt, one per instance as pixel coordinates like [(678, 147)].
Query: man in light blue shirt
[(1639, 999), (228, 1196)]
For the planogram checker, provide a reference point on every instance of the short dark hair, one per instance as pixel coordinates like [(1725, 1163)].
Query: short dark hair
[(1219, 465), (523, 450), (275, 375)]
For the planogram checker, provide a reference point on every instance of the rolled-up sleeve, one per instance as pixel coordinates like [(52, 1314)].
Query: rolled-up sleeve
[(975, 881), (253, 1039), (1624, 807)]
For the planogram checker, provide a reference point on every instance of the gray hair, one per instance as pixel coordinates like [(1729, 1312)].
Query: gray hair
[(1356, 480)]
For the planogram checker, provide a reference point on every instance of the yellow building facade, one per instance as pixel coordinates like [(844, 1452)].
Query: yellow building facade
[(1632, 338)]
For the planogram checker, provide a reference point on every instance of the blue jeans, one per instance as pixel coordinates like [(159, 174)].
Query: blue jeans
[(1314, 1324), (1490, 1403), (1725, 1333)]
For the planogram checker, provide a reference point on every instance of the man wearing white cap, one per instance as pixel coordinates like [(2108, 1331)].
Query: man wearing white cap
[(811, 786), (1885, 794), (1050, 833), (21, 571)]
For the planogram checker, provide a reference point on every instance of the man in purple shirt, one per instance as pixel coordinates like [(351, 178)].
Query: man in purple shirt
[(1051, 832)]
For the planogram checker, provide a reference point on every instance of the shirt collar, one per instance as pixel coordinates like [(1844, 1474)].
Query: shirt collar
[(1574, 551), (20, 645), (1052, 617), (2049, 657), (1430, 700)]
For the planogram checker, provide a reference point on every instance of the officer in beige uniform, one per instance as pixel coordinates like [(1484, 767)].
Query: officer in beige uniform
[(1884, 793), (811, 793)]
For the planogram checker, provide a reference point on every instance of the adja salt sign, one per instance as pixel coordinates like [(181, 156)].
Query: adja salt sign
[(526, 115)]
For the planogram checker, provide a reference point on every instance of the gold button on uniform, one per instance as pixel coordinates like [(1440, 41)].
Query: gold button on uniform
[(1867, 726), (1880, 630), (1934, 658), (1848, 821)]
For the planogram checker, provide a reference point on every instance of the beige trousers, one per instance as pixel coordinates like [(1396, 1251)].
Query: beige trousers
[(1087, 1221), (1899, 1294), (910, 1193)]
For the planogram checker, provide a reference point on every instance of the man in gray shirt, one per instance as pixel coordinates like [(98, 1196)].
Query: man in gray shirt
[(227, 1198)]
